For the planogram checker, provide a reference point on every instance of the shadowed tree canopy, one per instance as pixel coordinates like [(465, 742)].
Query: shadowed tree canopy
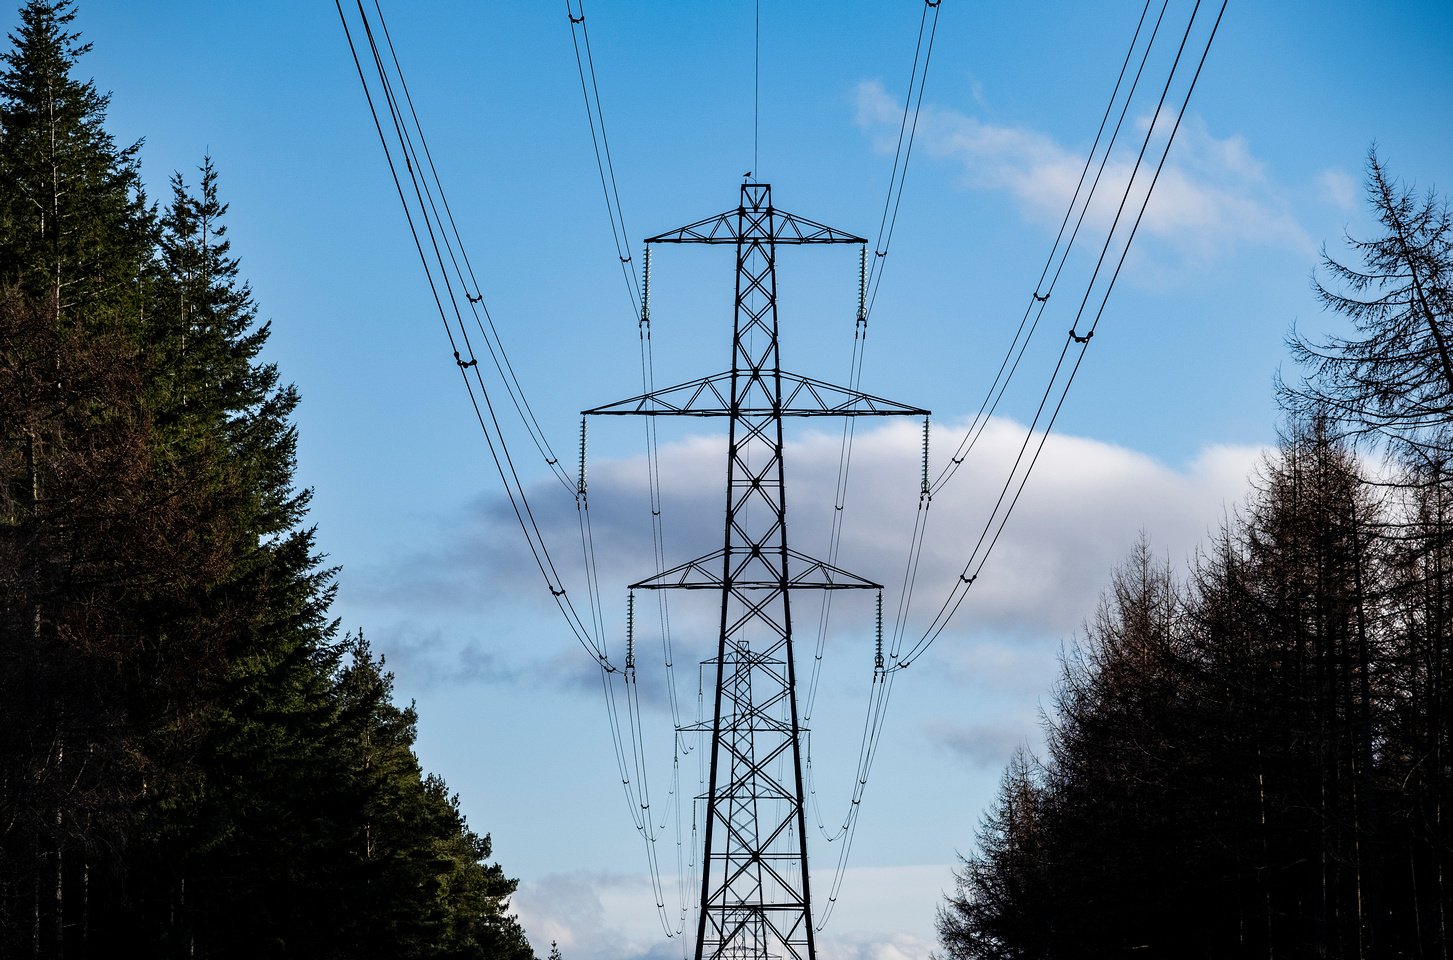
[(1259, 762), (192, 763)]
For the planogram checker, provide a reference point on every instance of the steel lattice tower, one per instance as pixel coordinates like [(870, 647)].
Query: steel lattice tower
[(755, 899)]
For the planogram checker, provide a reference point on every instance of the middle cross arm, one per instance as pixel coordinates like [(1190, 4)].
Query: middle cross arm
[(801, 397)]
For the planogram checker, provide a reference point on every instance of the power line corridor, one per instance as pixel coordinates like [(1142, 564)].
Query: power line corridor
[(741, 858)]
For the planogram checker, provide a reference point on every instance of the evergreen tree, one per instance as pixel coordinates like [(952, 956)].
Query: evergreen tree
[(94, 543), (423, 885), (74, 228), (97, 542), (191, 763)]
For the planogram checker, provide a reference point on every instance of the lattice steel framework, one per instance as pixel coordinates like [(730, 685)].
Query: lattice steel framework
[(755, 899)]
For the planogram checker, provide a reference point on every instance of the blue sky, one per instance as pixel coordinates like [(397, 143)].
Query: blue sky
[(1163, 424)]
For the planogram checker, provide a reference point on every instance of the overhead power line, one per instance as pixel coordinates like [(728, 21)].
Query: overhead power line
[(1014, 486), (462, 310), (638, 293)]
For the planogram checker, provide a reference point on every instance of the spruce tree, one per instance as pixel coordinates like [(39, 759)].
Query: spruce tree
[(1003, 905), (191, 763), (95, 541), (74, 227)]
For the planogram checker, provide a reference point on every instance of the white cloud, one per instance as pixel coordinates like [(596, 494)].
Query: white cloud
[(885, 913), (1339, 188), (1213, 193), (861, 946), (1082, 509), (592, 916), (987, 745)]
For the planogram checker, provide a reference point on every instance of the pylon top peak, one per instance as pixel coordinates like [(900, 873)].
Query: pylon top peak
[(757, 196), (755, 220)]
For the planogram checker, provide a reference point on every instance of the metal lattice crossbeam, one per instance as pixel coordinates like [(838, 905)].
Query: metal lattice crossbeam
[(801, 397), (806, 572), (756, 220)]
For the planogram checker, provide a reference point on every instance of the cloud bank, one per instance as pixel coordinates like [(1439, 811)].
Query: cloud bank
[(1083, 508)]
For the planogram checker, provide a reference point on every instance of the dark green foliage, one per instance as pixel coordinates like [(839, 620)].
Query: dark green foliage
[(73, 227), (191, 762), (421, 883)]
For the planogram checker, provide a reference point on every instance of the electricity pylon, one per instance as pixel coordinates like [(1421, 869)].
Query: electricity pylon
[(755, 900)]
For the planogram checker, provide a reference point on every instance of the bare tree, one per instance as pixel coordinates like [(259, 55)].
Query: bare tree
[(1392, 380)]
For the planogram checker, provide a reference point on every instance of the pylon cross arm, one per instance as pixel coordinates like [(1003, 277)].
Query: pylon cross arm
[(801, 397), (745, 224), (805, 572)]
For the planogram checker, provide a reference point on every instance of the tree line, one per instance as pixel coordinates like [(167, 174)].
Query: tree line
[(1254, 759), (193, 761)]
